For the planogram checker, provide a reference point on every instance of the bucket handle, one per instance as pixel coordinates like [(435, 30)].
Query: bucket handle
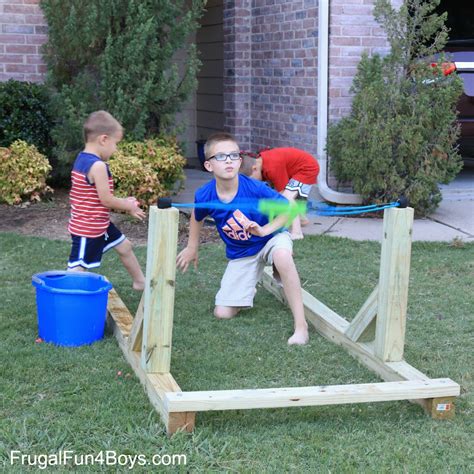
[(37, 280), (40, 281)]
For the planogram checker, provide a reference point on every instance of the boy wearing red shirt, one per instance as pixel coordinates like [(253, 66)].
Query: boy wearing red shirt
[(92, 197), (291, 171)]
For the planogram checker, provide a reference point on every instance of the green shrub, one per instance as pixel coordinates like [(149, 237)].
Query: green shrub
[(24, 115), (133, 177), (163, 155), (23, 173), (71, 107), (119, 56), (400, 137)]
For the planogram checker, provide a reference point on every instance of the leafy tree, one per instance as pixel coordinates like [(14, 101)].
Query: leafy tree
[(400, 137), (119, 55)]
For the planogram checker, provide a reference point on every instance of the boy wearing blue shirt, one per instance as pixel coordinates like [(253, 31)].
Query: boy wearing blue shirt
[(251, 241)]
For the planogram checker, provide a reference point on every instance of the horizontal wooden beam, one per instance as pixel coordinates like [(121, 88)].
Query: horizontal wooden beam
[(309, 396), (156, 385), (333, 327)]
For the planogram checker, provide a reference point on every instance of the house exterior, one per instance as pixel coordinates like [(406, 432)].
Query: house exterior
[(274, 72)]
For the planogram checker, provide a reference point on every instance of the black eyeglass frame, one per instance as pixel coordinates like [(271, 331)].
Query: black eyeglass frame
[(226, 155)]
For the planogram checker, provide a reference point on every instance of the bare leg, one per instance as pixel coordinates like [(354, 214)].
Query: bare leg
[(130, 262), (283, 261), (296, 233), (77, 269), (225, 312)]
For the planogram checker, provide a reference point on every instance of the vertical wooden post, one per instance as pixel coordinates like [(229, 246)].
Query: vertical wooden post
[(158, 306), (393, 284)]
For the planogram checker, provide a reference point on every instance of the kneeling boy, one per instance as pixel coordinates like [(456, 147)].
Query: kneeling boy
[(251, 241)]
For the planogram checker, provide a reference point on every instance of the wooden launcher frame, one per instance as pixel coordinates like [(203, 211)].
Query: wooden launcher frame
[(146, 339)]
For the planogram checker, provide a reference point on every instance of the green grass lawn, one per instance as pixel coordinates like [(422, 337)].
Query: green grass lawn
[(56, 398)]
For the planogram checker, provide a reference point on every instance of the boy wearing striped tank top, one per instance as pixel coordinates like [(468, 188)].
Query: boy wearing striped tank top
[(92, 198)]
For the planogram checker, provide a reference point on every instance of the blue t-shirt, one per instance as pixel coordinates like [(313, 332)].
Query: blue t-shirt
[(243, 208)]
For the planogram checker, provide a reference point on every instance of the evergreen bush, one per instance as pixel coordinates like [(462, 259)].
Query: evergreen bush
[(25, 114), (119, 56), (400, 137), (23, 173)]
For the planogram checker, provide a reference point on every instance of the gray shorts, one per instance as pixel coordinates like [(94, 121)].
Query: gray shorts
[(242, 274), (302, 189)]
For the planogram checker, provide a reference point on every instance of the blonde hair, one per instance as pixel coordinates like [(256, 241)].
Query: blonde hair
[(100, 123), (217, 138)]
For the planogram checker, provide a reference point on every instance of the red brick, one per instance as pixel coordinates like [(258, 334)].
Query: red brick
[(35, 77), (20, 68), (12, 39), (20, 8), (20, 29), (36, 39), (34, 59), (345, 41), (11, 58), (11, 18), (35, 20), (21, 49)]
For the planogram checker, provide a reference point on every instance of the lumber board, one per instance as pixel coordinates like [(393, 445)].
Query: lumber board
[(309, 396), (156, 385), (136, 333), (160, 277), (120, 313), (441, 408), (359, 326), (332, 326), (393, 284)]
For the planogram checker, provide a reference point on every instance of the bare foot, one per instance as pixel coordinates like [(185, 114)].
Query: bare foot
[(300, 337), (138, 285), (304, 220), (298, 236)]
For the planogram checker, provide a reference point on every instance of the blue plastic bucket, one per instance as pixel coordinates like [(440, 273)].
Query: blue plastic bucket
[(71, 306)]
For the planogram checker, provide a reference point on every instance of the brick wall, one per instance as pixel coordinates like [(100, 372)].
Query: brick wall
[(22, 33), (270, 81), (284, 79), (238, 70), (353, 30), (270, 62)]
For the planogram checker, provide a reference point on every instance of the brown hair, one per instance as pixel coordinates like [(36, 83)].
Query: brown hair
[(248, 161), (100, 123), (217, 138)]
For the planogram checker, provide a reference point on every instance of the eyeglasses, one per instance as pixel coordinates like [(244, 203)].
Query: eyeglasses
[(234, 156)]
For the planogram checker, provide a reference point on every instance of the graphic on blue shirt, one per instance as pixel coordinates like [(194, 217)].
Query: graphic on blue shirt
[(231, 222)]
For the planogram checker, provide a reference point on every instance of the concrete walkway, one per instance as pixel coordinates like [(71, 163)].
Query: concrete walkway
[(454, 218)]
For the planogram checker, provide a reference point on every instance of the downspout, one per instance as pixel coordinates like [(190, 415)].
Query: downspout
[(323, 78)]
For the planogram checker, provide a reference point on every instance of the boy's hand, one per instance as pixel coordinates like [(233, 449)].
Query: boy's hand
[(185, 257), (255, 229), (135, 210)]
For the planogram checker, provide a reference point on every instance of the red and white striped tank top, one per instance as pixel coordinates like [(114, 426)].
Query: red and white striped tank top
[(89, 218)]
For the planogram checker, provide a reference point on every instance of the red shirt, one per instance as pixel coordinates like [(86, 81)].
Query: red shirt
[(279, 165), (89, 217)]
